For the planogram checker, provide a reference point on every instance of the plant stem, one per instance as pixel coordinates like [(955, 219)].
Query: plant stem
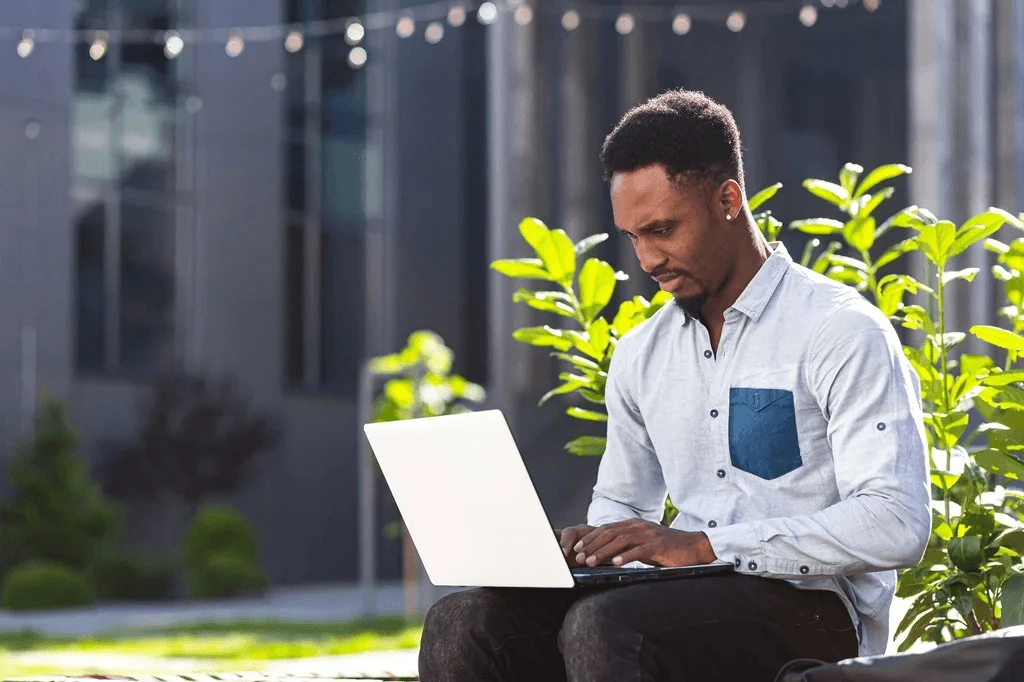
[(872, 282), (944, 373), (973, 621)]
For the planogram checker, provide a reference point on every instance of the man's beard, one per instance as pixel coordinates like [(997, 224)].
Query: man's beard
[(692, 305)]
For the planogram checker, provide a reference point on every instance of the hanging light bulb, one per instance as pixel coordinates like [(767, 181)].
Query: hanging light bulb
[(294, 41), (841, 3), (457, 15), (357, 57), (434, 32), (571, 20), (808, 15), (405, 27), (234, 46), (487, 14), (625, 24), (872, 5), (98, 47), (828, 3), (27, 44), (736, 21), (354, 33), (681, 24), (173, 44), (523, 15)]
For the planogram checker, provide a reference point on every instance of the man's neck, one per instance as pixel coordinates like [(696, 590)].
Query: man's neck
[(749, 260)]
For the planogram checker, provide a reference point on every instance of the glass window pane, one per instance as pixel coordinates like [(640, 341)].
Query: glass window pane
[(147, 288), (295, 174), (90, 295), (342, 308), (295, 283)]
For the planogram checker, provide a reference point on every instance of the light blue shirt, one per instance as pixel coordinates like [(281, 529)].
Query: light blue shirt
[(799, 449)]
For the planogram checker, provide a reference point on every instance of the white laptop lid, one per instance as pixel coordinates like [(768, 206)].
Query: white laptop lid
[(468, 501)]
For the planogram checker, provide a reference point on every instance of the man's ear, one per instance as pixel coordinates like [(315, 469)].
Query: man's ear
[(730, 197)]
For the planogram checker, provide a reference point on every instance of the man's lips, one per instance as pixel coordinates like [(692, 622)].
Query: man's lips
[(669, 281)]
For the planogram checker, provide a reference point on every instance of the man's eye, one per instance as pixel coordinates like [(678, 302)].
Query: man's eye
[(661, 231)]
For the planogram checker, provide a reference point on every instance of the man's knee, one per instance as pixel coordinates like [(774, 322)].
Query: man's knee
[(455, 615), (590, 624)]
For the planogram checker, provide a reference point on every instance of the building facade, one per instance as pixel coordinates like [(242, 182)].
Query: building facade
[(280, 215)]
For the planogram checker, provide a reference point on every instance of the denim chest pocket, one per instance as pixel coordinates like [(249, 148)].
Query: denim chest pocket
[(762, 432)]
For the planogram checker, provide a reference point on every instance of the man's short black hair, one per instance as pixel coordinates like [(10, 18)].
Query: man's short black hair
[(686, 131)]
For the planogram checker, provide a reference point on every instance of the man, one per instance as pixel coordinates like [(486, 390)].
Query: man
[(773, 405)]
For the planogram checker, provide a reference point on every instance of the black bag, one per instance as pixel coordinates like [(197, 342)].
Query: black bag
[(993, 657)]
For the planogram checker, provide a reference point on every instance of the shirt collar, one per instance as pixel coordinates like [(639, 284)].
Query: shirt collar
[(762, 287)]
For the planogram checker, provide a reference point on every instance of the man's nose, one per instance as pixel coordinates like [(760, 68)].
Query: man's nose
[(650, 257)]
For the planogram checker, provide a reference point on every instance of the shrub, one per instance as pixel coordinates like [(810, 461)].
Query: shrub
[(219, 529), (224, 574), (123, 575), (46, 585), (57, 512), (971, 579)]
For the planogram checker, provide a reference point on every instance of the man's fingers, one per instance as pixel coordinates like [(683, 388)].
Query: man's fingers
[(614, 547), (599, 537), (641, 553)]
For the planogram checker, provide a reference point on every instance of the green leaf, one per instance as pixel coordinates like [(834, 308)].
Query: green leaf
[(829, 191), (557, 302), (965, 552), (522, 268), (544, 337), (917, 629), (1012, 601), (937, 240), (567, 387), (860, 233), (910, 217), (873, 201), (587, 446), (764, 195), (1003, 378), (578, 361), (825, 257), (981, 227), (597, 284), (389, 364), (848, 176), (881, 174), (818, 226), (600, 335), (998, 337), (999, 462), (553, 247), (905, 246), (400, 392), (582, 343), (967, 274), (891, 289), (586, 245), (586, 415)]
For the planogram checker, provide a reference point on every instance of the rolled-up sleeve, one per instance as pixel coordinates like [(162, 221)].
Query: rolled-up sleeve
[(630, 483), (871, 398)]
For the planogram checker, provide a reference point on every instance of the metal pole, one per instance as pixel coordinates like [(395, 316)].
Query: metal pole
[(29, 315), (367, 498)]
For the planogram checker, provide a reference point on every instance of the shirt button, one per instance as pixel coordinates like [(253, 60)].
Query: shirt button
[(714, 413), (804, 570), (720, 473), (707, 354), (712, 523), (881, 426), (738, 562), (752, 565)]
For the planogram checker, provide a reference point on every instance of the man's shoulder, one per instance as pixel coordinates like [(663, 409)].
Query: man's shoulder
[(835, 309)]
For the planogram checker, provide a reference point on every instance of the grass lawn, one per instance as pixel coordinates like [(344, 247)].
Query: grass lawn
[(209, 647)]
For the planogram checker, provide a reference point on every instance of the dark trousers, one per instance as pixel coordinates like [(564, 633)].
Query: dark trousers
[(721, 628)]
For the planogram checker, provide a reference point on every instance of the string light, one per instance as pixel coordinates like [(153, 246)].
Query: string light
[(457, 16), (625, 24), (808, 15), (571, 20), (841, 3), (279, 82), (354, 33), (871, 5), (523, 15), (173, 45), (193, 104), (98, 48), (27, 44), (434, 32), (487, 14), (736, 21), (357, 57), (405, 27), (828, 3), (681, 24), (294, 41), (234, 46)]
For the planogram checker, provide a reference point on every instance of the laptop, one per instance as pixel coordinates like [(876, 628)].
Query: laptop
[(473, 513)]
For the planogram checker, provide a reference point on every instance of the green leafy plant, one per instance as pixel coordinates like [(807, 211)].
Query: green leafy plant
[(221, 555), (57, 512), (971, 578), (126, 575), (46, 585)]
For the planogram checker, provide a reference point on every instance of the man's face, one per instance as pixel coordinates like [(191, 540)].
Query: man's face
[(678, 231)]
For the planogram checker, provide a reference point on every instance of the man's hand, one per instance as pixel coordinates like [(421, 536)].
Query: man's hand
[(569, 537), (646, 541)]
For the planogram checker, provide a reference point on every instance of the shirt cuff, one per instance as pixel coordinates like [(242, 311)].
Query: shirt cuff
[(739, 545)]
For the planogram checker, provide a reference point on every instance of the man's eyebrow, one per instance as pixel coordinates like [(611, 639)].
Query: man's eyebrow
[(651, 226)]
